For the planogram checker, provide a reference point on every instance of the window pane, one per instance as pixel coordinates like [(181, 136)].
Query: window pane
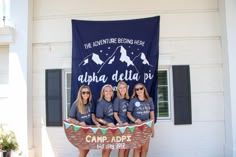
[(68, 93), (68, 79), (163, 109), (68, 110), (163, 93), (68, 96), (162, 77)]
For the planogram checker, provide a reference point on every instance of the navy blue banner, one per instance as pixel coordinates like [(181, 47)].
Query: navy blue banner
[(104, 52)]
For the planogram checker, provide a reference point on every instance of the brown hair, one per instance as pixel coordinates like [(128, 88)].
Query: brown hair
[(146, 95), (79, 100)]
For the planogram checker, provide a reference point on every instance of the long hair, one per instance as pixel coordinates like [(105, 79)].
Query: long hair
[(79, 100), (102, 91), (126, 86), (146, 95)]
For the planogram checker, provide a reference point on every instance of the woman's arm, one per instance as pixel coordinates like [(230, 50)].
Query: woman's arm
[(152, 118), (94, 119), (135, 121), (152, 115), (116, 106), (117, 118), (74, 121), (102, 121)]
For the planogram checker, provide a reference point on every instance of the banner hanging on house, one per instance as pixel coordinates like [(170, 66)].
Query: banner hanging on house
[(104, 52)]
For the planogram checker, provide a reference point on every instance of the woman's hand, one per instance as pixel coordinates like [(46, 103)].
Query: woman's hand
[(98, 125), (74, 121), (138, 121), (125, 124), (111, 125), (82, 124)]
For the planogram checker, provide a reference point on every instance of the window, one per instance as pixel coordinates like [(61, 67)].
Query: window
[(67, 92), (163, 111)]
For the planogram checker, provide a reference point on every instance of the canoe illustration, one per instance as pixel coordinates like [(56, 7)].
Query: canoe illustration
[(120, 137)]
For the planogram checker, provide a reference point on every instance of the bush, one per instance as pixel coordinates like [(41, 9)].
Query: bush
[(8, 140)]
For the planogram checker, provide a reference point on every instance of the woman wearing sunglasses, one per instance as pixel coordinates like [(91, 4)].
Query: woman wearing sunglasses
[(141, 108), (120, 110), (82, 112), (104, 111)]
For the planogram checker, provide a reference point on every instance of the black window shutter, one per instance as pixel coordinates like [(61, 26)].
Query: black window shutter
[(182, 95), (53, 97)]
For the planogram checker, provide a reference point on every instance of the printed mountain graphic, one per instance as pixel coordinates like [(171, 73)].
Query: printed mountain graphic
[(92, 58), (122, 56), (141, 62), (118, 57), (143, 59)]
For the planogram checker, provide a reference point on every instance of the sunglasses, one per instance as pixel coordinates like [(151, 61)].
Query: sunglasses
[(87, 92), (137, 89)]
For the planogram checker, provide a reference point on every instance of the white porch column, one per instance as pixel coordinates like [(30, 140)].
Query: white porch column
[(20, 74), (228, 20)]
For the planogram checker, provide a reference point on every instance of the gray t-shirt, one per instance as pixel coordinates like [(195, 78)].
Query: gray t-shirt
[(104, 110), (121, 106), (141, 109), (87, 118)]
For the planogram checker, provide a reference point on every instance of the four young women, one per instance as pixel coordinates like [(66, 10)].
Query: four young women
[(121, 111)]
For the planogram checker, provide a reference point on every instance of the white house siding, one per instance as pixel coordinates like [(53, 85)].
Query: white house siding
[(228, 25), (4, 57), (189, 34)]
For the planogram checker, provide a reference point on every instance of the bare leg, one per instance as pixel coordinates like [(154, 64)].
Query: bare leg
[(137, 152), (83, 152), (144, 149), (106, 152), (121, 153), (126, 153)]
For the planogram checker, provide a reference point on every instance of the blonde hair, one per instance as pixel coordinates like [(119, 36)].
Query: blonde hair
[(126, 86), (146, 95), (102, 91), (79, 100)]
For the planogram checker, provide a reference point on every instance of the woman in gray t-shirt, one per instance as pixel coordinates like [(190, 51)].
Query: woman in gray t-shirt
[(120, 110), (104, 111), (141, 108), (82, 112)]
